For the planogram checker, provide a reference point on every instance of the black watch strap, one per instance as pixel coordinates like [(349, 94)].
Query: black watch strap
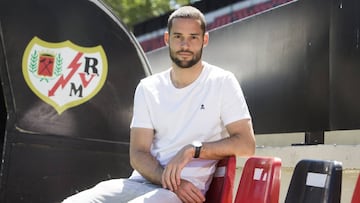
[(197, 146), (197, 152)]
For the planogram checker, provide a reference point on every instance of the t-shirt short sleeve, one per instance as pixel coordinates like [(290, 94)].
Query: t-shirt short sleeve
[(234, 105), (141, 115)]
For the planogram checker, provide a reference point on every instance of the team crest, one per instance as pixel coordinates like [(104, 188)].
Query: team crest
[(63, 74)]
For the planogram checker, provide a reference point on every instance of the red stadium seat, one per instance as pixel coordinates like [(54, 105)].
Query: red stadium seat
[(260, 181), (221, 188), (356, 194)]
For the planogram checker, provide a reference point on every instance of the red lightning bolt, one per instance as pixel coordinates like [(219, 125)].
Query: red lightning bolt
[(74, 65)]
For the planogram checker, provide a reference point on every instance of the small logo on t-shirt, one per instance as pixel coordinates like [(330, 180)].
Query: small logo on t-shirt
[(202, 107)]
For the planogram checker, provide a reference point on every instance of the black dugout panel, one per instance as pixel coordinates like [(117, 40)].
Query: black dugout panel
[(58, 141), (281, 60), (345, 65)]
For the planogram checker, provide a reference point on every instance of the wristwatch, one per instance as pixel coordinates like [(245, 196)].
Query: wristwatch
[(197, 145)]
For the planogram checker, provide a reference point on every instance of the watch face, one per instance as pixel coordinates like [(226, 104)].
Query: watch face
[(196, 143)]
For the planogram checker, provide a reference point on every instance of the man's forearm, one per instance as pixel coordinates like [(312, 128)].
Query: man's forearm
[(240, 143), (147, 166), (231, 146)]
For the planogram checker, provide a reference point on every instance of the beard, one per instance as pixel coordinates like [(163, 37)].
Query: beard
[(183, 63)]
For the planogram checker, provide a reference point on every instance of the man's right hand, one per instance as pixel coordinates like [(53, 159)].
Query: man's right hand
[(171, 175), (188, 192)]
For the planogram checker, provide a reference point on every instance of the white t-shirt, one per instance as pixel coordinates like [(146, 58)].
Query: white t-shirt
[(199, 111)]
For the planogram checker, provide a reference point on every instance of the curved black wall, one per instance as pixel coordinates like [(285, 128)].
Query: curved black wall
[(49, 154)]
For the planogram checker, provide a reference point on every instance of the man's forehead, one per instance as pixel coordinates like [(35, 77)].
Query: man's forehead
[(189, 20), (186, 26)]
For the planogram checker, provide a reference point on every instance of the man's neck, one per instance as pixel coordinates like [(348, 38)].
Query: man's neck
[(182, 77)]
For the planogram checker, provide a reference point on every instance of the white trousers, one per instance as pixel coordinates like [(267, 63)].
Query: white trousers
[(124, 190)]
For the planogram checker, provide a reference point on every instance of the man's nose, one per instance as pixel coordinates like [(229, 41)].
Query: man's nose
[(184, 43)]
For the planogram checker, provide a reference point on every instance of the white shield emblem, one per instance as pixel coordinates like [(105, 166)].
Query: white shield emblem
[(63, 74)]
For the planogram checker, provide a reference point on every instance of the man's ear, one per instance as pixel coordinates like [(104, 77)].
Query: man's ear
[(206, 39), (166, 38)]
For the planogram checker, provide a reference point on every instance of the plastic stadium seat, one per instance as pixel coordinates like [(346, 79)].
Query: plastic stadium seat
[(315, 181), (356, 195), (222, 185), (260, 181)]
